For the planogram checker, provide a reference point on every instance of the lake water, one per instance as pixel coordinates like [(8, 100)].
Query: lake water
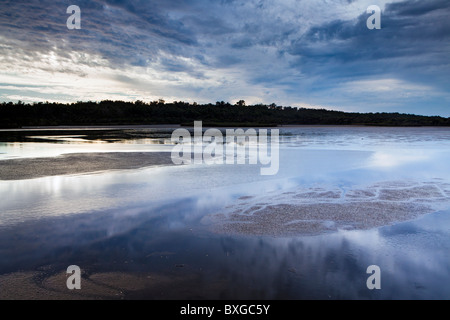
[(155, 221)]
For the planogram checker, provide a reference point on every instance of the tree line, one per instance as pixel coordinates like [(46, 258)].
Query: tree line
[(17, 115)]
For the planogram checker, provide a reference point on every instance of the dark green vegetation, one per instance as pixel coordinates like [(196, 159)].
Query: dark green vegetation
[(16, 115)]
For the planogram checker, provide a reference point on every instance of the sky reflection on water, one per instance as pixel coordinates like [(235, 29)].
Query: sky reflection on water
[(100, 221)]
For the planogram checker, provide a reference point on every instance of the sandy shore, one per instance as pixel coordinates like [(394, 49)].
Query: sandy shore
[(77, 163)]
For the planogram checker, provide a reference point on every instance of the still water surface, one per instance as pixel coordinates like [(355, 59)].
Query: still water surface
[(150, 219)]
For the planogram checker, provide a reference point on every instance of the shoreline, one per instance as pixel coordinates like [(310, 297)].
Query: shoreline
[(217, 125), (92, 127)]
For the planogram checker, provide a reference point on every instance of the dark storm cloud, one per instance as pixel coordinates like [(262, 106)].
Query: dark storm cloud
[(417, 7), (121, 31), (414, 41), (136, 30)]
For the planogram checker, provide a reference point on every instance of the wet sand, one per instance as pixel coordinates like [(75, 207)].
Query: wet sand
[(318, 210), (80, 163), (39, 285)]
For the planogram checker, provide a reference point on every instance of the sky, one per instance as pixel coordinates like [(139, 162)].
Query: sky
[(300, 53)]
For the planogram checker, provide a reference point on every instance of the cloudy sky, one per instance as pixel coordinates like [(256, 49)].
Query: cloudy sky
[(305, 53)]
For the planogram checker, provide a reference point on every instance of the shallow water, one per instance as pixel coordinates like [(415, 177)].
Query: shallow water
[(152, 220)]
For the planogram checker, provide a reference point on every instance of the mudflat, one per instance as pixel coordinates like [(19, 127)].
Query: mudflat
[(80, 163)]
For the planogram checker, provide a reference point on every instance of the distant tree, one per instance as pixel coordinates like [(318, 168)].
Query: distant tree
[(13, 115), (240, 103)]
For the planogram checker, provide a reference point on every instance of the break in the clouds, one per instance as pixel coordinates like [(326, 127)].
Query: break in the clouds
[(307, 53)]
